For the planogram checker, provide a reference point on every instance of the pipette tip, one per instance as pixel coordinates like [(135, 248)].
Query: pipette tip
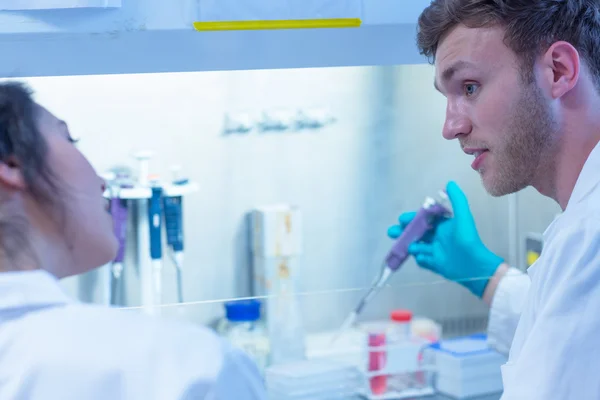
[(348, 323)]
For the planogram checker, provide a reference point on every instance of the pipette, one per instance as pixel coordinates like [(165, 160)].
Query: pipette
[(110, 193), (155, 222), (174, 225), (425, 219), (173, 206), (119, 211)]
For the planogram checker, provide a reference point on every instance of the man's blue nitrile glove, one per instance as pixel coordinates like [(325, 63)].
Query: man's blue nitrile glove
[(453, 249)]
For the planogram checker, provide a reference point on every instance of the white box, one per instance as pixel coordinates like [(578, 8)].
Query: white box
[(467, 367), (277, 278), (276, 246), (277, 231), (273, 275), (464, 389)]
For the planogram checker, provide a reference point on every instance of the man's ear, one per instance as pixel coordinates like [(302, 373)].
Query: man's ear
[(561, 65), (11, 175)]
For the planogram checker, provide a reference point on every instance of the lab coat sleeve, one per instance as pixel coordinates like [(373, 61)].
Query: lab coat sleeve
[(238, 379), (559, 356), (506, 309)]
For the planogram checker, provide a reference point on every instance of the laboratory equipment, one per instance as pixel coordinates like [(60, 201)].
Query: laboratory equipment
[(401, 323), (428, 331), (313, 118), (534, 242), (454, 249), (109, 194), (393, 370), (146, 197), (426, 328), (313, 380), (244, 329), (174, 227), (403, 353), (115, 179), (286, 330), (376, 337), (466, 367), (241, 123), (142, 193), (277, 246), (155, 223), (118, 210), (143, 157), (430, 213), (173, 209), (408, 375)]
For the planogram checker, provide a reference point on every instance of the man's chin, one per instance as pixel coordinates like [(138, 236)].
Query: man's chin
[(499, 187)]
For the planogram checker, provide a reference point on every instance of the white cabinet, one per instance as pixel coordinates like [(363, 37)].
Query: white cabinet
[(159, 36)]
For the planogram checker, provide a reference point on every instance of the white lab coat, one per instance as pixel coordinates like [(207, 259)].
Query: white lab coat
[(52, 347), (506, 309), (555, 352)]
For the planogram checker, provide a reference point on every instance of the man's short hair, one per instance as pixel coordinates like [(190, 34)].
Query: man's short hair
[(531, 26)]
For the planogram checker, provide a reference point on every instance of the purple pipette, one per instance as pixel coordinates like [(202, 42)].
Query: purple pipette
[(425, 219), (118, 210)]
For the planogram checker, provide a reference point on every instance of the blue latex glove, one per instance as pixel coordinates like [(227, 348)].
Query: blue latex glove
[(453, 249)]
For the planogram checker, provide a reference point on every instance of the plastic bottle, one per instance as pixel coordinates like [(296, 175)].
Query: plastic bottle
[(400, 327), (244, 329), (403, 353)]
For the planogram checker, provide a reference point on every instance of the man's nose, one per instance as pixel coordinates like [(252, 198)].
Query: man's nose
[(457, 123)]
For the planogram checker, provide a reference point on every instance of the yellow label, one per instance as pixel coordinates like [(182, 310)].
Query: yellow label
[(277, 24), (532, 257)]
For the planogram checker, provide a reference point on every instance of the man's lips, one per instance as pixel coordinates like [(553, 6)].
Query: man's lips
[(479, 154)]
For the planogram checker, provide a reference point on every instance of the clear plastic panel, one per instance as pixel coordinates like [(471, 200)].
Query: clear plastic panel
[(349, 365), (353, 148)]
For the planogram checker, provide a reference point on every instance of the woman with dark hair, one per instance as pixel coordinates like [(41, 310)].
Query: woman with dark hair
[(54, 223)]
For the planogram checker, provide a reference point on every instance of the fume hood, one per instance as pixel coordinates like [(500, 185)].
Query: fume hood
[(81, 37)]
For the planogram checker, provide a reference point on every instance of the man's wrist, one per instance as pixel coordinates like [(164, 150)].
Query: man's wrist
[(492, 285)]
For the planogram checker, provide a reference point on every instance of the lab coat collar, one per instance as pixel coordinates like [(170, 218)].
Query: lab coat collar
[(30, 288), (587, 182), (588, 178)]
